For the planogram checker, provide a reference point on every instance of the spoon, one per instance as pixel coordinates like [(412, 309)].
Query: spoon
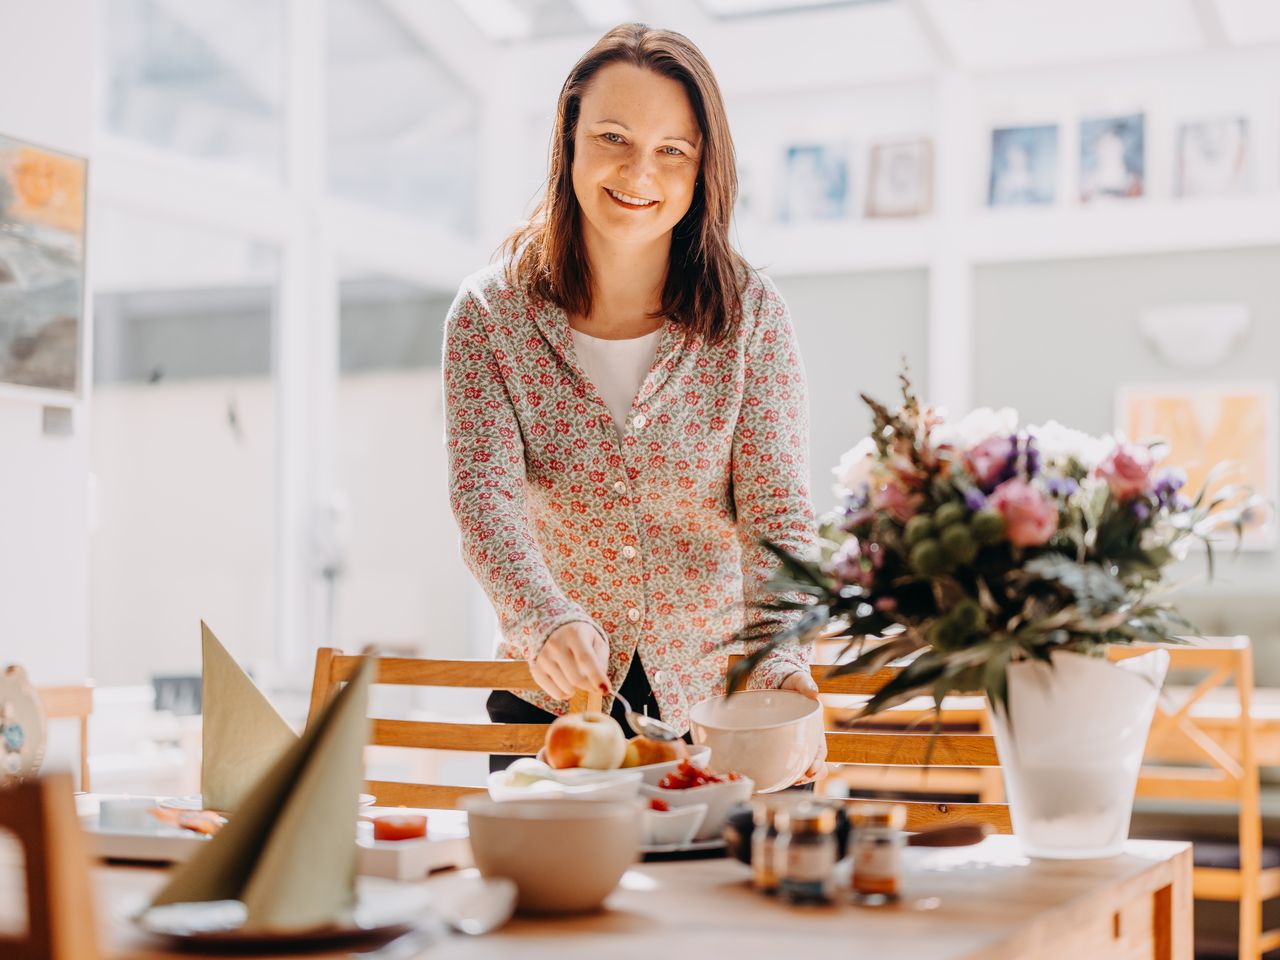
[(469, 905), (644, 725)]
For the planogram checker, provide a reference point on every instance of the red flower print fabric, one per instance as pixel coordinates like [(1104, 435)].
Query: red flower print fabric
[(652, 538)]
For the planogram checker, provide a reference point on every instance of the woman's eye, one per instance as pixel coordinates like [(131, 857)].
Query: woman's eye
[(612, 137), (673, 151)]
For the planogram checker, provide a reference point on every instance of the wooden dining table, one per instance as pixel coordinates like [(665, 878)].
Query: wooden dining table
[(984, 902)]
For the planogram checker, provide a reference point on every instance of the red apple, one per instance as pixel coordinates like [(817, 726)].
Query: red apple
[(590, 739)]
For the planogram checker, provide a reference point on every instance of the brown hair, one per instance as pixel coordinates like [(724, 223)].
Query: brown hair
[(705, 276)]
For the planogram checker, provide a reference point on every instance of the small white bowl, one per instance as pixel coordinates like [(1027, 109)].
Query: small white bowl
[(664, 828), (770, 736), (719, 798), (563, 857), (541, 782), (699, 754)]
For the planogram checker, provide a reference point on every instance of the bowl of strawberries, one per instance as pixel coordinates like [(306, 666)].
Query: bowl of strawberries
[(689, 784)]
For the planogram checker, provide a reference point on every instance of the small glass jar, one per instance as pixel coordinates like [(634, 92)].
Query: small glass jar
[(764, 875), (876, 843), (805, 853)]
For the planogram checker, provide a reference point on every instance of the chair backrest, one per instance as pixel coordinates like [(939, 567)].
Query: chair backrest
[(333, 669), (879, 748), (60, 925), (1191, 760), (72, 702)]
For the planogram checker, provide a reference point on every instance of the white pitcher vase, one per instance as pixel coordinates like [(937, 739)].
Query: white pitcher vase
[(1071, 747)]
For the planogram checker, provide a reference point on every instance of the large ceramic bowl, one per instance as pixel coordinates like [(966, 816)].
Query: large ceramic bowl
[(563, 857), (770, 736)]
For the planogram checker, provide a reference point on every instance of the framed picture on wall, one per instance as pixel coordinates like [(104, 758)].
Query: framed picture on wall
[(1112, 157), (900, 183), (42, 241), (1206, 424), (1024, 166), (816, 183), (1213, 157)]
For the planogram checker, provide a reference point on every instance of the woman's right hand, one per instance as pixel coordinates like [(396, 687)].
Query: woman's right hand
[(575, 657)]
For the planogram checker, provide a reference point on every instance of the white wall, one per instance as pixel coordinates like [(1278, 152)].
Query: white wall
[(46, 83)]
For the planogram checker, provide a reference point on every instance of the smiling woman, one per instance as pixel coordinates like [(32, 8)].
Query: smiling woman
[(626, 410)]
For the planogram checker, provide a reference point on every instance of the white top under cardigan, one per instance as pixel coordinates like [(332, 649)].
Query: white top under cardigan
[(617, 368)]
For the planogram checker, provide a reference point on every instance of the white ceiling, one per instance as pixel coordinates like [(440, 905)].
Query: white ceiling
[(793, 44)]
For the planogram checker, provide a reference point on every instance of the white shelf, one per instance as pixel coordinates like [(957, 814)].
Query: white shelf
[(1122, 228)]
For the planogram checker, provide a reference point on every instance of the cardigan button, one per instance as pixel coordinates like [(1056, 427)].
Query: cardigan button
[(633, 615), (619, 487), (629, 552), (640, 421)]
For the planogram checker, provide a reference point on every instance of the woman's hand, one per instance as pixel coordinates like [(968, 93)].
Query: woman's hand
[(802, 682), (575, 657)]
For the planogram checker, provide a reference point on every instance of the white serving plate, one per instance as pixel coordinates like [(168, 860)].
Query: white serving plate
[(382, 907), (569, 784), (699, 754)]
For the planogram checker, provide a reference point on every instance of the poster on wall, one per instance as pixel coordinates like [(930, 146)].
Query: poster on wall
[(1213, 157), (1024, 166), (42, 242), (1206, 424), (1112, 158), (816, 183), (900, 183)]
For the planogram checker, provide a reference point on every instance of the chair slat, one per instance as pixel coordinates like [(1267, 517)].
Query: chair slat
[(475, 674), (922, 815), (1186, 784), (913, 749), (511, 738), (391, 793)]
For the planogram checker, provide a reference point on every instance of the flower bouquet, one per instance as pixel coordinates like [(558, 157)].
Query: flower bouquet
[(969, 551)]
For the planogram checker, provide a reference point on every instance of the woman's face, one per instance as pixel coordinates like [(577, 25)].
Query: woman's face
[(636, 154)]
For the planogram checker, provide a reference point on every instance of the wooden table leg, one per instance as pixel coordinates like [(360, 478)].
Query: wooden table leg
[(1172, 914)]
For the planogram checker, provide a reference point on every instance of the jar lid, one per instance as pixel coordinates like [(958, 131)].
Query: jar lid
[(806, 818), (887, 815)]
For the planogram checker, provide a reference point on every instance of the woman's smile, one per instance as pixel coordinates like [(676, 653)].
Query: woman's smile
[(630, 202)]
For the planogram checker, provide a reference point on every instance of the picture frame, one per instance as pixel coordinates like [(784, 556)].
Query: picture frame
[(816, 183), (42, 272), (1213, 157), (1024, 166), (1207, 423), (1112, 158), (900, 181)]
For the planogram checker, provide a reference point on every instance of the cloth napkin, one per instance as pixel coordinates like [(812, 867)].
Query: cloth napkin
[(289, 851), (242, 734)]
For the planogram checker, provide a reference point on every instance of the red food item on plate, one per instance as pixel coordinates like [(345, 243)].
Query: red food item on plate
[(660, 805), (399, 826), (688, 775)]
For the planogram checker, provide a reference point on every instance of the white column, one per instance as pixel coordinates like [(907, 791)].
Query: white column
[(951, 321)]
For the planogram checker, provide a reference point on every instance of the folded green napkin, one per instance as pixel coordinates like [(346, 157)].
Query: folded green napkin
[(242, 734), (289, 851)]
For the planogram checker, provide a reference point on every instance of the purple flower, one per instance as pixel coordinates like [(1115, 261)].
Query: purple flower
[(1062, 486), (847, 566), (1141, 509), (974, 499), (1031, 457), (992, 462), (1167, 484)]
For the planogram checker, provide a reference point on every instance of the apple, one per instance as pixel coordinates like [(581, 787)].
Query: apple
[(642, 751), (590, 739)]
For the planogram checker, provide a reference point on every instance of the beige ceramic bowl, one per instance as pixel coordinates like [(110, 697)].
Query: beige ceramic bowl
[(768, 735), (563, 857)]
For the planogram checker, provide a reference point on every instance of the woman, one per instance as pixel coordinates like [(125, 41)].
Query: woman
[(626, 411)]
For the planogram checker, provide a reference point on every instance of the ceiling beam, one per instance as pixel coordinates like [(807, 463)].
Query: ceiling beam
[(1212, 26), (934, 34)]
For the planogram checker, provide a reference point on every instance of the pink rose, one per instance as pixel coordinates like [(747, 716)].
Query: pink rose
[(1030, 518), (1127, 470), (988, 461), (897, 502)]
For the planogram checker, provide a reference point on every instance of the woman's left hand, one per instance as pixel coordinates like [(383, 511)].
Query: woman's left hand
[(802, 682)]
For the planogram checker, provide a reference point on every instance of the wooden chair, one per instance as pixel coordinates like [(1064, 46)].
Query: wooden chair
[(41, 813), (1184, 762), (72, 702), (333, 669), (891, 748)]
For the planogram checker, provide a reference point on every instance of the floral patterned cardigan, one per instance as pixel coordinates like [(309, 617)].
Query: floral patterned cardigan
[(650, 539)]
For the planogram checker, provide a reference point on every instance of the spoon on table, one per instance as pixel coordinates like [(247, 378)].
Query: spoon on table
[(469, 905), (644, 725)]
